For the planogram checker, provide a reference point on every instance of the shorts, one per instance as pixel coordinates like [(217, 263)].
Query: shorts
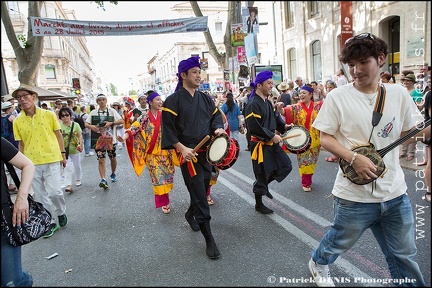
[(111, 153)]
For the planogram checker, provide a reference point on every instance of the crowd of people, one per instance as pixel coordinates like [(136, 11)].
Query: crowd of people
[(162, 135)]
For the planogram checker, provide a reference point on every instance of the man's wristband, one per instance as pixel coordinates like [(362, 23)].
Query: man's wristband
[(63, 152), (353, 158)]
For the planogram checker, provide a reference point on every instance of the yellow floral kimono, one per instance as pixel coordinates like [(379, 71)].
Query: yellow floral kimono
[(300, 115), (144, 149)]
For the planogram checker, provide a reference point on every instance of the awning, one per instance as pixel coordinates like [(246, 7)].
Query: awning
[(47, 95)]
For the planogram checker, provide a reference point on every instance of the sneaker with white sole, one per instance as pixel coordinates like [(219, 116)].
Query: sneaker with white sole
[(103, 184), (78, 183), (321, 274)]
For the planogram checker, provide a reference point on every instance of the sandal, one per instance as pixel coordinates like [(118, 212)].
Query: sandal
[(69, 189), (402, 155), (424, 197), (166, 209), (210, 200)]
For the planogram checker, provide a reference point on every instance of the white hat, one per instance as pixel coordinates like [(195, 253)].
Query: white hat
[(282, 86), (7, 97), (100, 96), (6, 105)]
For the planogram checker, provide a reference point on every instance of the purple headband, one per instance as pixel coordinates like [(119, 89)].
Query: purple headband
[(152, 96), (307, 88), (260, 78), (184, 66)]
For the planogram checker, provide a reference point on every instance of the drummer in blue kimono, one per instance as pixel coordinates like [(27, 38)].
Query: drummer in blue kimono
[(143, 143)]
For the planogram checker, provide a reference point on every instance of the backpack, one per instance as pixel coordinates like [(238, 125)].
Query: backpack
[(6, 127), (80, 121)]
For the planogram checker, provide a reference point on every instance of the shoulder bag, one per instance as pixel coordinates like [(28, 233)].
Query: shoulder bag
[(39, 217)]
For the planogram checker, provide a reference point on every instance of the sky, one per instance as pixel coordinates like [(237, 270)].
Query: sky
[(122, 57)]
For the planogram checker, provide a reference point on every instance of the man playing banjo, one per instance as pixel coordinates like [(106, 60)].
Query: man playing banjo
[(383, 205)]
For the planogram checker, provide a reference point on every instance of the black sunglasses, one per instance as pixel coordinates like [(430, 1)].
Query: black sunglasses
[(360, 37), (64, 115)]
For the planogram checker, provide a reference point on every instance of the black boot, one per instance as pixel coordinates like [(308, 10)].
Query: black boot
[(211, 250), (269, 195), (191, 220), (259, 206)]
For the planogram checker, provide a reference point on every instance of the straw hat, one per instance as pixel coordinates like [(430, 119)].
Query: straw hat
[(282, 86)]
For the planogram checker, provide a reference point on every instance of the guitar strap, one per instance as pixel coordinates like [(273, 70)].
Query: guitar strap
[(379, 108), (377, 114)]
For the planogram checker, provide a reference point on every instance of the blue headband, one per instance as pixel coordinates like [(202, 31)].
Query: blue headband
[(307, 88), (152, 96), (260, 78), (184, 66)]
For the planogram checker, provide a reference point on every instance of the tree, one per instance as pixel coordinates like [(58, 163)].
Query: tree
[(28, 50), (113, 89), (230, 51)]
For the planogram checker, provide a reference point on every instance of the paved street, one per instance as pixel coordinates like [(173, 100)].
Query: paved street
[(117, 238)]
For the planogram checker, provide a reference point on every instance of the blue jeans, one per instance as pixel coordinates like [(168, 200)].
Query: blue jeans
[(392, 224), (87, 146), (12, 274)]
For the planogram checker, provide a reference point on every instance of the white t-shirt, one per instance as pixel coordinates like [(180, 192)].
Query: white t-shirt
[(347, 114), (111, 112)]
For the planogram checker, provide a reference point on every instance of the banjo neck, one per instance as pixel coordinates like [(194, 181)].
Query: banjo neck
[(393, 145)]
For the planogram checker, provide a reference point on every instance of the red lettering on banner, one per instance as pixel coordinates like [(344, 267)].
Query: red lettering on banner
[(39, 23)]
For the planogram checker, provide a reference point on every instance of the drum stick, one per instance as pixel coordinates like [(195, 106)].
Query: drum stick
[(290, 136), (204, 140)]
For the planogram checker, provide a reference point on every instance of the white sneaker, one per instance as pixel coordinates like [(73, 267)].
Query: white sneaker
[(321, 274), (78, 183), (91, 153)]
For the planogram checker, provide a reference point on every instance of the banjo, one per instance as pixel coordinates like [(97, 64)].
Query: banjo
[(376, 156)]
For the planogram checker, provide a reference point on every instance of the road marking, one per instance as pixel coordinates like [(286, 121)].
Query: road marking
[(343, 264)]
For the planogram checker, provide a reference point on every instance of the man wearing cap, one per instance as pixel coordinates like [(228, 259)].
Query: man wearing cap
[(189, 115), (39, 138), (104, 119), (58, 105), (265, 125)]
